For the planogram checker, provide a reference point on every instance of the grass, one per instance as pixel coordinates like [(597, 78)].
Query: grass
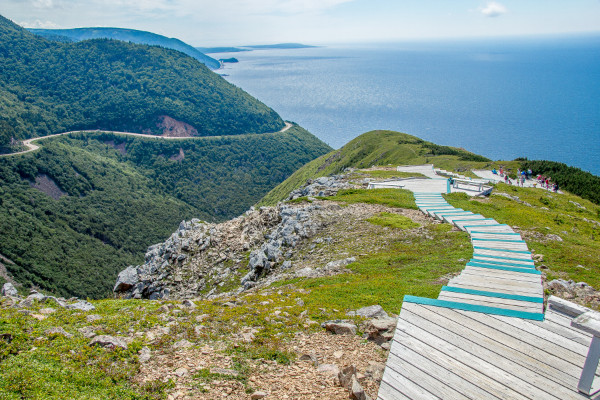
[(411, 265), (399, 198), (577, 256), (393, 221), (387, 174)]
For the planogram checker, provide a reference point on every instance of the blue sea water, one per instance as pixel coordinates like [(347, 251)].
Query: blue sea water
[(522, 97)]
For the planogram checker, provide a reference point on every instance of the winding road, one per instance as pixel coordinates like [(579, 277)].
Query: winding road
[(32, 147)]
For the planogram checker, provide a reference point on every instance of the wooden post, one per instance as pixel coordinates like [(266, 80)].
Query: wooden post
[(590, 323)]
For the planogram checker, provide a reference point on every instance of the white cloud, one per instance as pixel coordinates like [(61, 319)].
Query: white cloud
[(37, 24), (493, 9)]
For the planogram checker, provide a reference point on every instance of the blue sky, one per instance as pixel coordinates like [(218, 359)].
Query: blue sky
[(238, 22)]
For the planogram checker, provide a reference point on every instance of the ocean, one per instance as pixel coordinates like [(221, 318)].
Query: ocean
[(502, 98)]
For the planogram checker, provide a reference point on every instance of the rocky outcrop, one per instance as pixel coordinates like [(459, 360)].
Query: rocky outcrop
[(321, 187), (579, 292), (36, 297), (9, 290), (200, 257)]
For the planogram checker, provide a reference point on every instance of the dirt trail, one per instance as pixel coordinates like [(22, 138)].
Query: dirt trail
[(29, 143)]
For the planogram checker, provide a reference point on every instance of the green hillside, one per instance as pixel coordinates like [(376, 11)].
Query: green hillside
[(116, 195), (127, 35), (50, 87), (378, 148)]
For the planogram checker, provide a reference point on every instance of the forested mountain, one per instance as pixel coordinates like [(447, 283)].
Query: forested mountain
[(49, 87), (83, 207), (127, 35)]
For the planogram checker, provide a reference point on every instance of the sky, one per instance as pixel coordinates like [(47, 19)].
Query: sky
[(246, 22)]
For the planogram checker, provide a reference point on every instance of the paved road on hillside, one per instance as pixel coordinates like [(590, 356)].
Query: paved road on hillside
[(32, 147)]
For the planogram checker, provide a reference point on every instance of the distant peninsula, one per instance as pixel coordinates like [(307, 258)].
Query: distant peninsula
[(254, 47), (126, 35)]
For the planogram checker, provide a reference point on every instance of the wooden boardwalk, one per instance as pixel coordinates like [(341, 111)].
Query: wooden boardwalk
[(486, 336)]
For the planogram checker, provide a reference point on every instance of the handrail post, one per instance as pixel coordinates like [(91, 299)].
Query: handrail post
[(589, 322), (590, 366)]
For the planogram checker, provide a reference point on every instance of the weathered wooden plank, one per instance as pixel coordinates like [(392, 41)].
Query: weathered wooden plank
[(406, 386), (497, 285), (541, 332), (500, 253), (491, 301), (550, 348), (504, 274), (475, 369), (501, 349), (531, 299), (388, 392), (484, 286), (506, 277), (428, 374)]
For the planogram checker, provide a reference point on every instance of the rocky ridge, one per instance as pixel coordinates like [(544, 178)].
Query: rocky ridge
[(203, 259)]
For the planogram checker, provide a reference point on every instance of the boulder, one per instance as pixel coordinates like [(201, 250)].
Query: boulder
[(356, 390), (340, 327), (107, 341), (81, 305), (9, 290), (380, 330), (375, 311), (340, 263), (345, 376), (126, 279)]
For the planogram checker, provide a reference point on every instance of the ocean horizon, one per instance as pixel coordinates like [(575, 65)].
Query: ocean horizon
[(534, 97)]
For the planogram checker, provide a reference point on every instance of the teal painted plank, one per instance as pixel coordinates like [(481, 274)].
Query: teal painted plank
[(494, 233), (499, 240), (472, 220), (511, 269), (524, 268), (471, 307), (482, 226), (530, 299), (501, 257), (461, 213), (502, 250), (502, 263)]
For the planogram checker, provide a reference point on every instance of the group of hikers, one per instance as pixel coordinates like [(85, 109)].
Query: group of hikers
[(543, 181)]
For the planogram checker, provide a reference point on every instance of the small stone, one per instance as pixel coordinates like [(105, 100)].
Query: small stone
[(356, 390), (144, 355), (81, 305), (181, 372), (202, 317), (340, 327), (386, 346), (182, 344), (87, 331), (188, 304), (39, 317), (47, 311), (258, 395), (338, 354), (58, 331), (329, 369), (224, 371), (107, 341), (93, 317), (345, 376)]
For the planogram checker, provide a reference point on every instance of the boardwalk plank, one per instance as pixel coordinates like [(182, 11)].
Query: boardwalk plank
[(491, 301), (504, 351), (428, 374), (478, 371)]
